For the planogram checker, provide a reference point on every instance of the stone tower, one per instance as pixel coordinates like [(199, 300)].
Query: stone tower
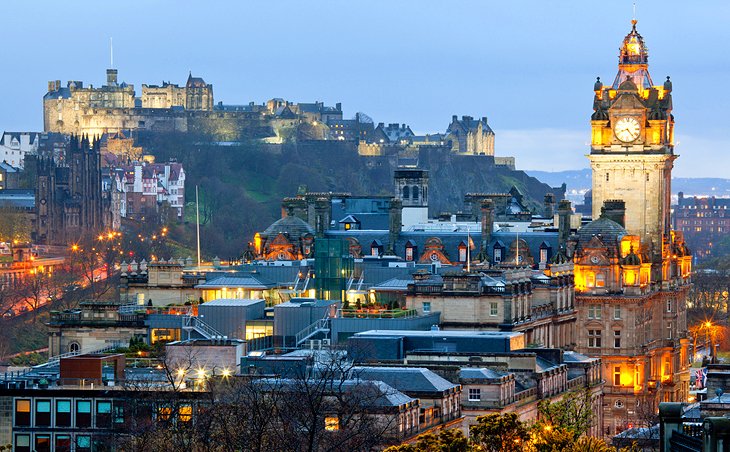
[(632, 149), (411, 187)]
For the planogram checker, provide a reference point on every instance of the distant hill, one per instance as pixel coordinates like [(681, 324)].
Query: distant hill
[(579, 181), (242, 185)]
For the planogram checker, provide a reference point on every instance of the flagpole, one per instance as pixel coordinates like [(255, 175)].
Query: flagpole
[(468, 249), (197, 222)]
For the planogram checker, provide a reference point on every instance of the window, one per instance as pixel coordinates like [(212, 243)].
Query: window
[(409, 253), (63, 443), (493, 309), (617, 312), (331, 423), (164, 413), (497, 254), (43, 442), (83, 443), (594, 311), (426, 307), (475, 394), (63, 413), (617, 339), (606, 177), (118, 413), (591, 279), (185, 413), (406, 192), (619, 404), (600, 280), (83, 413), (22, 442), (43, 413), (415, 193), (22, 413), (74, 347), (617, 376), (103, 414), (594, 338), (669, 330), (543, 255), (462, 254), (669, 305)]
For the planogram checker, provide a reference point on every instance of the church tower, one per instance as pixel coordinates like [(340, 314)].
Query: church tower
[(632, 146)]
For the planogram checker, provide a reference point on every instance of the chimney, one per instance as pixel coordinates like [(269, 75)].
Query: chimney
[(614, 209), (454, 118), (484, 120), (549, 204), (395, 221), (564, 212), (322, 216), (338, 106), (51, 86), (487, 223)]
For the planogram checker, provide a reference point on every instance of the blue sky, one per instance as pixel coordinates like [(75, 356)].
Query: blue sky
[(527, 65)]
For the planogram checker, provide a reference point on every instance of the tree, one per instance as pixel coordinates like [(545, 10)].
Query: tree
[(499, 433), (450, 440), (573, 413)]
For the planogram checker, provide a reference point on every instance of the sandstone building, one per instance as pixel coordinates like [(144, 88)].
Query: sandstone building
[(631, 270)]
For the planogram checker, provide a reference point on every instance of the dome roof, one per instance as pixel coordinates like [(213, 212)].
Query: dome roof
[(608, 231), (290, 225), (633, 49)]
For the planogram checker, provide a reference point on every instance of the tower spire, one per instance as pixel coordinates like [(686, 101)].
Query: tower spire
[(111, 52)]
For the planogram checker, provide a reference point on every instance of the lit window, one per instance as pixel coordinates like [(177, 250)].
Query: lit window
[(543, 255), (600, 280), (164, 413), (475, 394), (185, 413), (591, 279), (331, 423), (22, 442), (22, 413), (462, 254), (617, 376), (43, 413), (409, 253)]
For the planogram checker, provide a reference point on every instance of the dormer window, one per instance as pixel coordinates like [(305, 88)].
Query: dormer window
[(463, 251), (410, 250), (376, 248), (497, 254)]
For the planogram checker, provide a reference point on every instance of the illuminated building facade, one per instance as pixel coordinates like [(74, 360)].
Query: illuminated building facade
[(631, 270)]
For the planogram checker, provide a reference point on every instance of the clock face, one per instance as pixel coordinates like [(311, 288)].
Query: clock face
[(595, 259), (627, 129)]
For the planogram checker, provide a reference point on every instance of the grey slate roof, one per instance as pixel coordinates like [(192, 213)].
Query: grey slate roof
[(480, 373), (233, 302), (242, 280), (293, 226), (406, 379)]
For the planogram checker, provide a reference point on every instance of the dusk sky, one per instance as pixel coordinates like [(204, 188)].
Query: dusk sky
[(529, 65)]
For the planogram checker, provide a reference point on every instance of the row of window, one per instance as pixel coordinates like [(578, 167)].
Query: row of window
[(66, 413), (42, 442), (595, 311), (493, 308)]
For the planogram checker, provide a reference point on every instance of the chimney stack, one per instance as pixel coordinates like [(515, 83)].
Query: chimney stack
[(549, 204), (614, 209), (564, 212), (395, 223), (487, 224)]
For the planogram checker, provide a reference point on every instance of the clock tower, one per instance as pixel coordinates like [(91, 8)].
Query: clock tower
[(632, 146)]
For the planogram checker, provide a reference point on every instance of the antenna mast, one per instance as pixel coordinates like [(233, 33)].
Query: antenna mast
[(111, 52)]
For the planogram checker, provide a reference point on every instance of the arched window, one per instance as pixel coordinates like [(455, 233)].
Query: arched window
[(74, 347), (406, 192), (415, 192)]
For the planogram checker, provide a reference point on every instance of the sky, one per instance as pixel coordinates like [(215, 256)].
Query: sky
[(529, 66)]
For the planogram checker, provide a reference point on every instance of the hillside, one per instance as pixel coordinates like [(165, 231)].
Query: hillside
[(241, 186), (578, 181)]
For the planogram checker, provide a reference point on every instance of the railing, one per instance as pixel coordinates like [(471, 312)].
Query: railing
[(377, 314), (194, 323), (54, 360), (311, 330)]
